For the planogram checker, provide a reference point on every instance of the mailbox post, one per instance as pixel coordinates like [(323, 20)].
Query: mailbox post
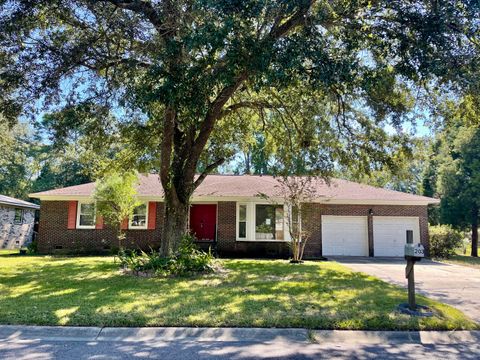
[(413, 253)]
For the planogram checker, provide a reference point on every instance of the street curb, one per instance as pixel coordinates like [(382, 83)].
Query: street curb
[(395, 337), (60, 333), (17, 333), (202, 334)]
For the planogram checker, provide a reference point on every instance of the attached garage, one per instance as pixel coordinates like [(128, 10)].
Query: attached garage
[(389, 234), (344, 235)]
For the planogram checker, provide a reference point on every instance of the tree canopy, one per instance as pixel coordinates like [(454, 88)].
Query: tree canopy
[(184, 84), (29, 163), (15, 165), (458, 161)]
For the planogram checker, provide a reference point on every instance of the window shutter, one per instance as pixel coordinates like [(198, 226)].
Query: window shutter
[(152, 215), (124, 225), (72, 215), (99, 223)]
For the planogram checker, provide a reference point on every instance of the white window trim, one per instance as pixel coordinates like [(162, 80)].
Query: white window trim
[(247, 221), (78, 216), (137, 227), (251, 209)]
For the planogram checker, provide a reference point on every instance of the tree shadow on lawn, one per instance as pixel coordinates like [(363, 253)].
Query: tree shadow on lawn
[(83, 291)]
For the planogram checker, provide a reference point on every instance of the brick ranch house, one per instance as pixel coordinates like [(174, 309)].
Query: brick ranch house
[(345, 219)]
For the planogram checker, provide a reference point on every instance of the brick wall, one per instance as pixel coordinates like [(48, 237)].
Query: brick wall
[(314, 225), (53, 230), (226, 237), (228, 246), (54, 237)]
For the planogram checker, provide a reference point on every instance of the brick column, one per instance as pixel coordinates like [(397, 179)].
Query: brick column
[(371, 247)]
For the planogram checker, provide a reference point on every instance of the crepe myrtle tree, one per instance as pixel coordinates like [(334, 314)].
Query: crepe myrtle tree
[(174, 75), (115, 200), (295, 192)]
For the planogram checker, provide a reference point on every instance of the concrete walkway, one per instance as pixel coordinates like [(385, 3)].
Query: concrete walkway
[(28, 342), (455, 285)]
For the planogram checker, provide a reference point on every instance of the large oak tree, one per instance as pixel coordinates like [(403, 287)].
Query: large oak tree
[(175, 74)]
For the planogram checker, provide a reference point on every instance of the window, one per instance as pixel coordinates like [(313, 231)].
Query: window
[(86, 215), (139, 217), (269, 222), (261, 222), (18, 218), (242, 221)]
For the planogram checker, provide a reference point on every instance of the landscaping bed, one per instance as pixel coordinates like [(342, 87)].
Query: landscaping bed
[(44, 290)]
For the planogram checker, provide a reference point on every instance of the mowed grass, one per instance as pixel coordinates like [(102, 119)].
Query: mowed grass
[(464, 260), (46, 290), (462, 257)]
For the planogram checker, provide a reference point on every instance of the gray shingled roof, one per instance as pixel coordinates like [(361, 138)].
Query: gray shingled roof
[(250, 186), (7, 200)]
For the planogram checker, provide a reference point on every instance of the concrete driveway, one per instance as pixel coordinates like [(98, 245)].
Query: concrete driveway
[(455, 285)]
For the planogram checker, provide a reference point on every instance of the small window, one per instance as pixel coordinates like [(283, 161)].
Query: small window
[(242, 221), (269, 222), (86, 215), (18, 219), (139, 217)]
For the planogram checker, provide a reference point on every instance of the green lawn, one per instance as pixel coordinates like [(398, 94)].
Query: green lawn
[(462, 257), (9, 252), (464, 260), (92, 291)]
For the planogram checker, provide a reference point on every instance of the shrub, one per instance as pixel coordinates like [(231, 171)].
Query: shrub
[(32, 248), (187, 260), (130, 259), (443, 241)]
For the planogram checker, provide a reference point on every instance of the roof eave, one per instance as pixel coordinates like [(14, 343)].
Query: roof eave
[(378, 201), (20, 205)]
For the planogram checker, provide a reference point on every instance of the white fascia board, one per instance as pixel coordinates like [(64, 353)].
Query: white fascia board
[(61, 197), (376, 202), (17, 205)]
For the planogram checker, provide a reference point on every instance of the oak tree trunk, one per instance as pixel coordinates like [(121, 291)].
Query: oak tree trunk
[(175, 226), (475, 233)]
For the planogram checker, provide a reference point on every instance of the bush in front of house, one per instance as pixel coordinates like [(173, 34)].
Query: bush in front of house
[(32, 248), (188, 260), (443, 241)]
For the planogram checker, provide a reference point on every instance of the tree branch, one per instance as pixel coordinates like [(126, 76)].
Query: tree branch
[(208, 124), (282, 28), (207, 170), (215, 109), (166, 151), (144, 8), (247, 104)]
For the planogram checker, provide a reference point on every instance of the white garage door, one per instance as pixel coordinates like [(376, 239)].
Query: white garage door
[(389, 234), (344, 235)]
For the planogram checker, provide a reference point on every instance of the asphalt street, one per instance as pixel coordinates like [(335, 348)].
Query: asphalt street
[(23, 342), (190, 350)]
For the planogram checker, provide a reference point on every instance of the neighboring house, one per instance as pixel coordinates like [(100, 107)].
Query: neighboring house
[(345, 219), (17, 218)]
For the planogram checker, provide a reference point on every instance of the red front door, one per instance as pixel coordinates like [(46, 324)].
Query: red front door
[(203, 221)]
